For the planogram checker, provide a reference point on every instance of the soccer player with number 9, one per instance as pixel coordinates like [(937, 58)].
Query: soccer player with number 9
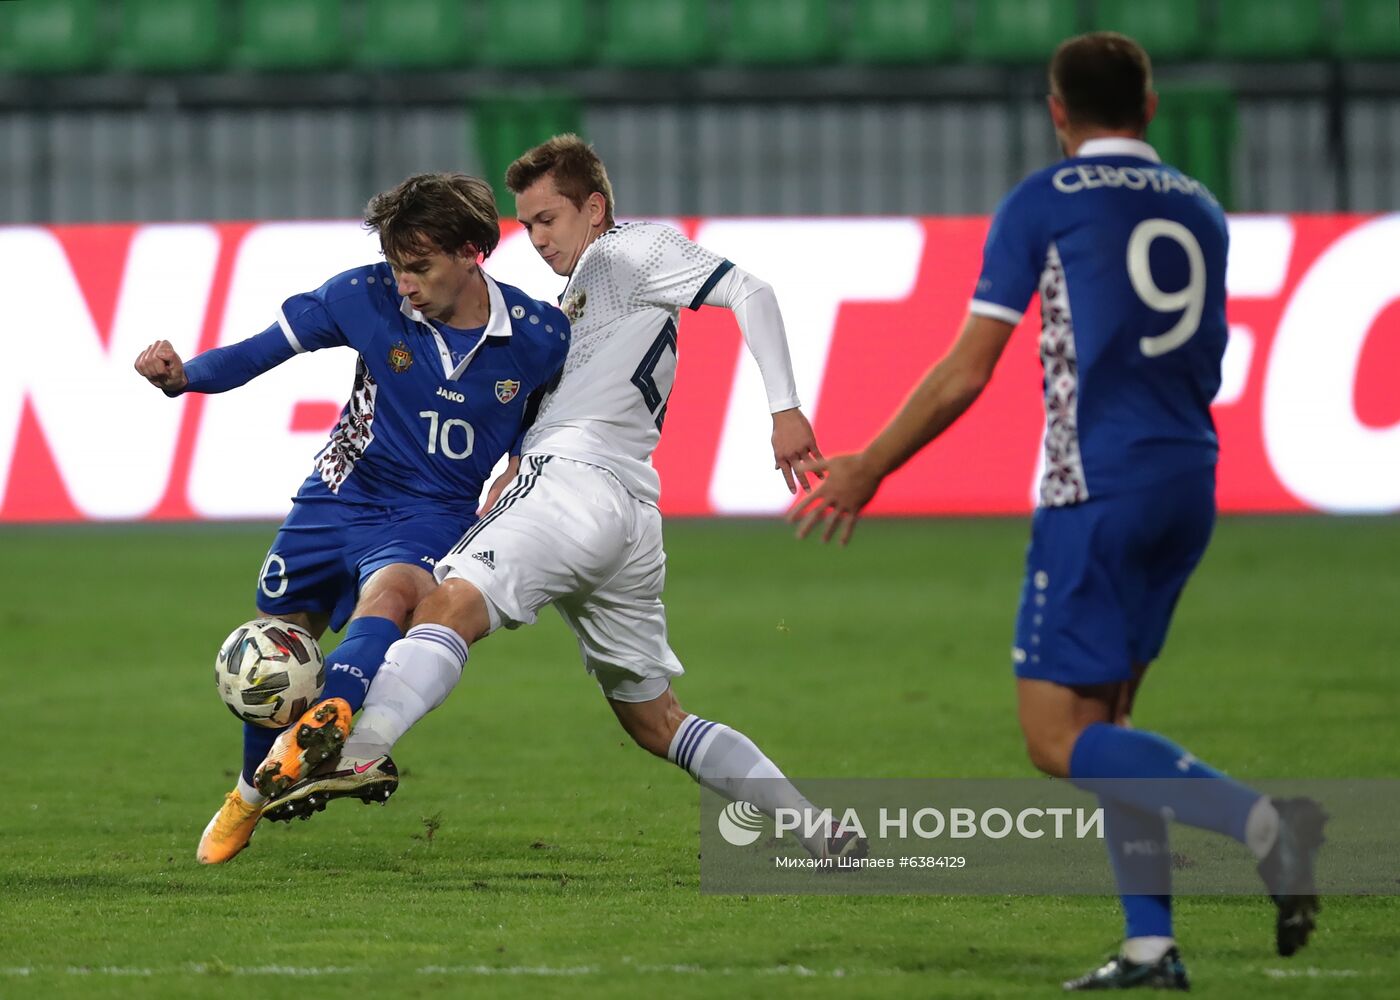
[(1128, 255)]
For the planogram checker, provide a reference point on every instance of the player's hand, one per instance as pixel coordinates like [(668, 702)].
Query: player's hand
[(499, 486), (794, 445), (162, 367), (847, 486)]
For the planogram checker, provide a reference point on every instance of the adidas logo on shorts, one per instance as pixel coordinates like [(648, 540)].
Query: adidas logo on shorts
[(488, 557)]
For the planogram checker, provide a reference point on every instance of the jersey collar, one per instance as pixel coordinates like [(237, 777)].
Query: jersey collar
[(497, 325), (1118, 146)]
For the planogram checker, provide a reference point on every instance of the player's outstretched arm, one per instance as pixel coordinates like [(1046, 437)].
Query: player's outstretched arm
[(216, 370), (755, 308), (161, 366), (943, 395)]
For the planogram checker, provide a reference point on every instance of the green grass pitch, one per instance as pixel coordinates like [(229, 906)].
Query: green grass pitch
[(531, 850)]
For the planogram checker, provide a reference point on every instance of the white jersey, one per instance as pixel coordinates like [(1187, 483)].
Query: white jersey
[(623, 301)]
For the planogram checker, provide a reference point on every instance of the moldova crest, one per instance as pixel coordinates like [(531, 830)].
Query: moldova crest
[(401, 358), (506, 389)]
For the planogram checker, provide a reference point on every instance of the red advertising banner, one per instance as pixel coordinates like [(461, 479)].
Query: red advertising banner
[(1308, 413)]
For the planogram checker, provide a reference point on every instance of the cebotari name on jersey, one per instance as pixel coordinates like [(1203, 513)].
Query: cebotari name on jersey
[(1087, 177)]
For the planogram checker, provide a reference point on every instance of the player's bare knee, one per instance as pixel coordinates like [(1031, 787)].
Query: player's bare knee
[(460, 606), (393, 592), (1049, 748), (652, 724), (652, 739), (394, 605)]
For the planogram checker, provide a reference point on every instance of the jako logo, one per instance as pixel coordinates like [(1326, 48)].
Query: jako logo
[(741, 823)]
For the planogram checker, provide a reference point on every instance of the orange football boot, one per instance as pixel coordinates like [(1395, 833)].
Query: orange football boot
[(229, 831), (317, 736)]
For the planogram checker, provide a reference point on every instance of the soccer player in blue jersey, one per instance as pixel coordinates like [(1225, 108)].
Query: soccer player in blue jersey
[(1128, 255), (580, 527), (450, 365)]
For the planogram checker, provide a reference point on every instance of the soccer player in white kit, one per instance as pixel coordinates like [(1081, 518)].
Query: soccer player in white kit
[(579, 526)]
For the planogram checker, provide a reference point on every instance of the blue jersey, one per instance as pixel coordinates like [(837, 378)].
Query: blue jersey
[(432, 408), (1128, 255)]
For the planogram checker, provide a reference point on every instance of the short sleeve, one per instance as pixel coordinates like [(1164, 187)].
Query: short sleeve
[(1012, 257), (665, 268), (313, 320)]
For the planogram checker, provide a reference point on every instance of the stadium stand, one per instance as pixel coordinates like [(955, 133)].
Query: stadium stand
[(902, 31), (157, 36), (414, 34), (669, 33), (1168, 29), (1269, 29), (1368, 29), (292, 35), (57, 36), (780, 32), (542, 33), (1021, 31)]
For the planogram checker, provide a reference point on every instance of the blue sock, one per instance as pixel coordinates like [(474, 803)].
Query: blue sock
[(257, 741), (357, 659), (1109, 757), (1142, 865)]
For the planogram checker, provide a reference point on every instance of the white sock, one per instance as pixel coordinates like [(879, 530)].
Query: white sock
[(419, 672), (726, 761), (1146, 950), (1261, 827), (250, 794)]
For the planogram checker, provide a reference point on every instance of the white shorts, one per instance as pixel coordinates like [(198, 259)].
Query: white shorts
[(568, 534)]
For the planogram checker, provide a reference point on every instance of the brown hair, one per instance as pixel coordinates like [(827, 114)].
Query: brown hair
[(431, 213), (1104, 79), (577, 171)]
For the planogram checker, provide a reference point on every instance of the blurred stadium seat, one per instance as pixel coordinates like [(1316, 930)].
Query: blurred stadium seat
[(670, 33), (1167, 29), (1015, 31), (414, 34), (167, 36), (293, 35), (1195, 130), (902, 31), (53, 36), (161, 36), (1369, 29), (780, 32), (543, 33), (1270, 29), (507, 126)]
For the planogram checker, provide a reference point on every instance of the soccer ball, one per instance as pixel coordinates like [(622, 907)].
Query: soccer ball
[(269, 672)]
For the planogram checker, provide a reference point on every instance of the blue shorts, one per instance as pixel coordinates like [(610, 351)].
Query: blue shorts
[(326, 550), (1103, 578)]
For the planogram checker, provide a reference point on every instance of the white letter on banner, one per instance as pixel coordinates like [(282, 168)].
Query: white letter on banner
[(879, 261), (1319, 450), (1260, 248), (111, 434), (247, 460)]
